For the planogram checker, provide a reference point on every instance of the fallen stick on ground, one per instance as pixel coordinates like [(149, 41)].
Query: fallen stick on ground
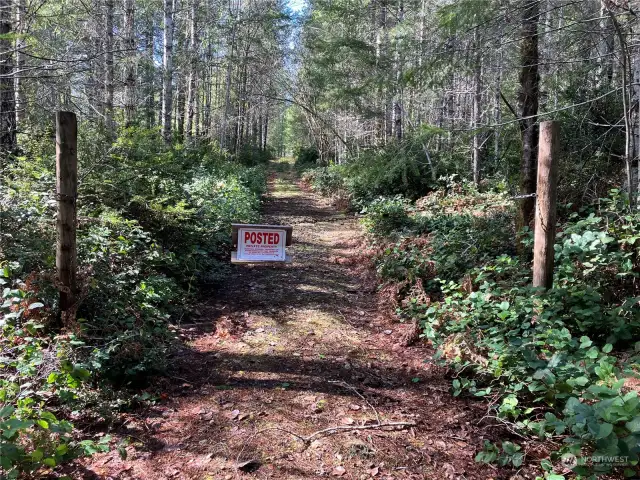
[(338, 429), (374, 426), (355, 390)]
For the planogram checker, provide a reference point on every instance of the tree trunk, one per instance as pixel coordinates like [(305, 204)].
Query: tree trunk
[(7, 96), (167, 63), (180, 109), (98, 94), (605, 48), (498, 109), (193, 65), (265, 133), (397, 119), (528, 100), (227, 93), (545, 217), (636, 84), (66, 192), (397, 78), (477, 112), (150, 77), (108, 65), (20, 101), (130, 67), (206, 117)]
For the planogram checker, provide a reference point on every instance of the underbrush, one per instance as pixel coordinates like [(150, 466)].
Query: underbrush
[(396, 169), (154, 226), (556, 366)]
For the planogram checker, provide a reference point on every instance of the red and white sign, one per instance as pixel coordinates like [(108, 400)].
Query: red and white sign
[(262, 245)]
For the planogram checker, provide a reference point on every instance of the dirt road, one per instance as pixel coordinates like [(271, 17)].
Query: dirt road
[(283, 352)]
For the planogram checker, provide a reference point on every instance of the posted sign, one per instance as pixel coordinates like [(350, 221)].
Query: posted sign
[(261, 243)]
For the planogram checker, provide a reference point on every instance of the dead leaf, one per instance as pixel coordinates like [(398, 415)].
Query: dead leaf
[(374, 471), (354, 406), (234, 414), (347, 421), (338, 471), (388, 332)]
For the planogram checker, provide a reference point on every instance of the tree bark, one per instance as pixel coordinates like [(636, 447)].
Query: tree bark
[(498, 108), (150, 77), (605, 48), (130, 67), (227, 93), (20, 101), (545, 216), (108, 65), (477, 112), (167, 63), (66, 187), (7, 95), (193, 65), (180, 109), (529, 102)]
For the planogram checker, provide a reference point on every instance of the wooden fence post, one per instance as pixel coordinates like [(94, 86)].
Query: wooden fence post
[(67, 188), (545, 214)]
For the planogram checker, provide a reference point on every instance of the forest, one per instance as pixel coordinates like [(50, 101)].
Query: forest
[(419, 119)]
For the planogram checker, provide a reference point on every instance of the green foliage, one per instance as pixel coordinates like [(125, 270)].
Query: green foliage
[(546, 357), (548, 354), (508, 454), (328, 180), (386, 215), (444, 238), (154, 224), (306, 157), (40, 383), (252, 155), (397, 169), (462, 241), (406, 260)]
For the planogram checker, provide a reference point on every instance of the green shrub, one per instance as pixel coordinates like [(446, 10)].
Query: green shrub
[(548, 355), (154, 226), (460, 242), (531, 349), (328, 180), (407, 260), (396, 169), (384, 216), (128, 299), (251, 155), (306, 157), (39, 385)]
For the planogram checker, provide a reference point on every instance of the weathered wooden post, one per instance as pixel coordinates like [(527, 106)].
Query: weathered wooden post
[(67, 187), (545, 214)]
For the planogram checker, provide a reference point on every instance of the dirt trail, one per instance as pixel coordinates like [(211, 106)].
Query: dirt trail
[(299, 348)]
